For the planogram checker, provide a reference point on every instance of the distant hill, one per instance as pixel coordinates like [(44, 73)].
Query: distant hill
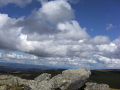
[(7, 67), (107, 70)]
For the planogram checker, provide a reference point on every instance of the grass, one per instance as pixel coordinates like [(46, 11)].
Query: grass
[(114, 89), (112, 78)]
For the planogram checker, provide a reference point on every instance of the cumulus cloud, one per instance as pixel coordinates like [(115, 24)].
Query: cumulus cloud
[(100, 40), (53, 11), (71, 30), (8, 32), (54, 38), (109, 26)]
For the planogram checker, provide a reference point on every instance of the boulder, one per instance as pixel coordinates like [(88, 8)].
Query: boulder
[(95, 86), (39, 83), (3, 87), (34, 85), (11, 80), (44, 85), (30, 85), (42, 77), (71, 79)]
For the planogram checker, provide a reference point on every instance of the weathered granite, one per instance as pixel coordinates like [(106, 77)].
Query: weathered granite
[(95, 86), (42, 77), (71, 79), (3, 87), (11, 80)]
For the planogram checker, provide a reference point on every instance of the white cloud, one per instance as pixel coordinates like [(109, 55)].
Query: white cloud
[(8, 32), (71, 30), (107, 47), (109, 26), (56, 11), (117, 41), (100, 40), (0, 55), (97, 61), (56, 39), (18, 57)]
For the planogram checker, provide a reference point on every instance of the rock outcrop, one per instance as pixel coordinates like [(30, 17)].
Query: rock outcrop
[(95, 86), (11, 80), (3, 87), (72, 79), (43, 77)]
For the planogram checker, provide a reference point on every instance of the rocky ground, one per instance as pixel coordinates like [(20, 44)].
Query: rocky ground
[(72, 79)]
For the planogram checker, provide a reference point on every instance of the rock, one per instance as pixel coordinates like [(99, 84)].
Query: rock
[(39, 83), (45, 85), (43, 77), (95, 86), (34, 85), (11, 80), (58, 81), (3, 87), (31, 85), (71, 79)]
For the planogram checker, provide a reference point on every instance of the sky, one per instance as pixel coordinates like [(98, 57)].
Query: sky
[(61, 33)]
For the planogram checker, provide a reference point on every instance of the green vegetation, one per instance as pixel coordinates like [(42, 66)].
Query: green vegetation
[(112, 78)]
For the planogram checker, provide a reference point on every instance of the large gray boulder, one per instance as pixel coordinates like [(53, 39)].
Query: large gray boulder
[(71, 79), (95, 86)]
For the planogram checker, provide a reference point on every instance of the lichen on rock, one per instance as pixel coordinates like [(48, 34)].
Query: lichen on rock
[(95, 86)]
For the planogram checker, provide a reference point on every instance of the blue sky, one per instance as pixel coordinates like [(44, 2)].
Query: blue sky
[(62, 33), (96, 14)]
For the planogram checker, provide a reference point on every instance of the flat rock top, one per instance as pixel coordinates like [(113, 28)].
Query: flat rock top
[(2, 77), (77, 72)]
